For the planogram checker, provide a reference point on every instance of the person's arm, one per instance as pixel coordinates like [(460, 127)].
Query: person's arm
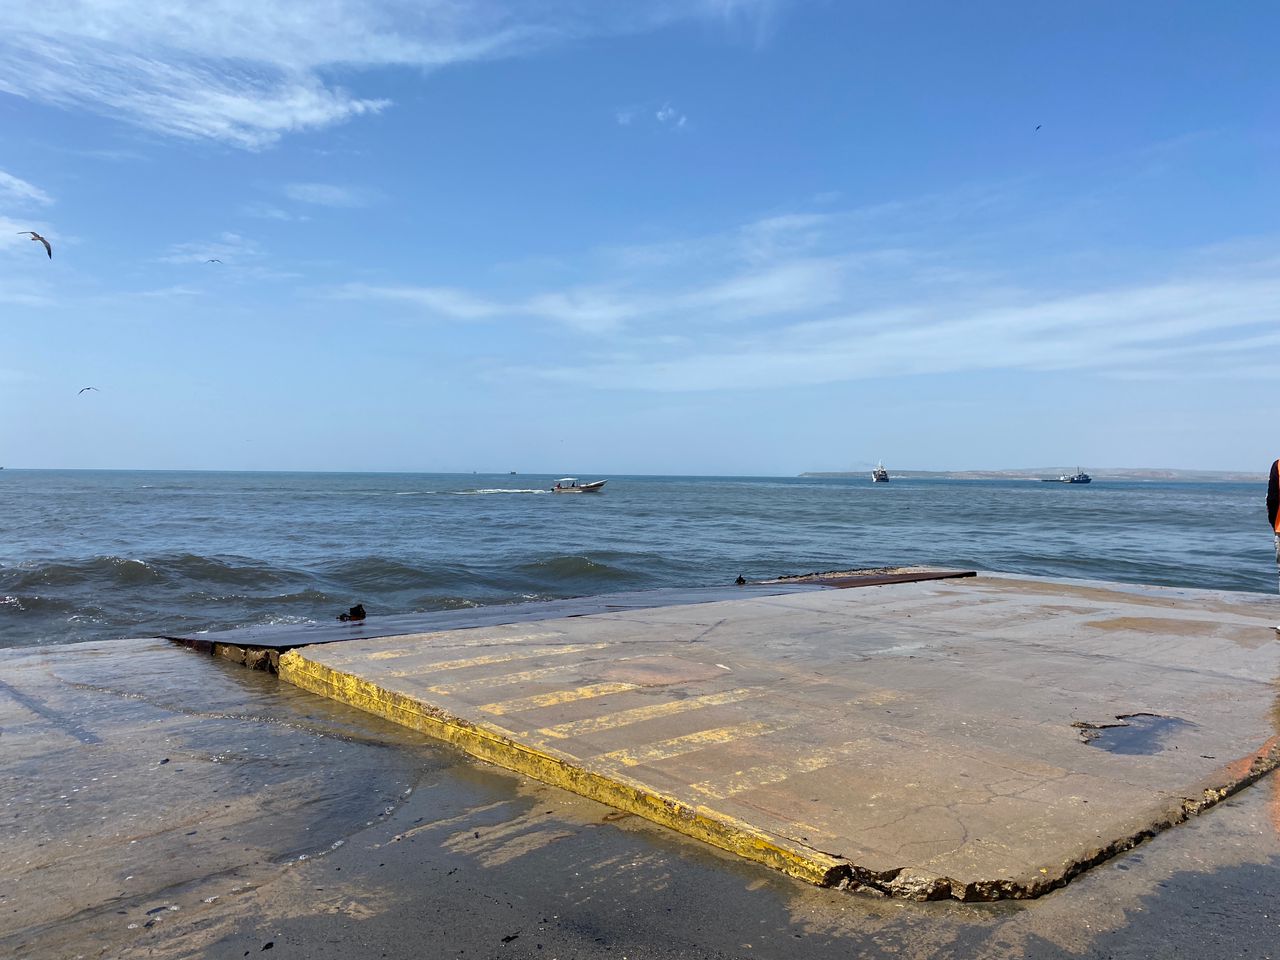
[(1273, 494)]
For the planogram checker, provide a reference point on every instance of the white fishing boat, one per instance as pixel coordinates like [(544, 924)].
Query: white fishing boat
[(880, 474), (571, 485)]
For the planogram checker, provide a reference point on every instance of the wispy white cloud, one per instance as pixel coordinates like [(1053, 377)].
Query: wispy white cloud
[(780, 289), (23, 266), (242, 259), (660, 115), (246, 73), (16, 190), (23, 297), (669, 116), (435, 301), (803, 298), (1208, 325), (268, 211), (11, 243), (587, 309), (168, 293), (230, 248), (329, 194)]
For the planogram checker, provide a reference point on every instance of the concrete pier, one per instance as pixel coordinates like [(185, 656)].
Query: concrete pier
[(165, 804), (971, 739)]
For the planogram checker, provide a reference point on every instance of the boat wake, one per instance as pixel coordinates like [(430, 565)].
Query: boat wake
[(474, 493)]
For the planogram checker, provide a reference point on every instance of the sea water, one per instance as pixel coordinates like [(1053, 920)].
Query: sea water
[(108, 554)]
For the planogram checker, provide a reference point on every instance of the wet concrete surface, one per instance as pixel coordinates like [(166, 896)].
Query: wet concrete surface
[(286, 820), (282, 637), (288, 636)]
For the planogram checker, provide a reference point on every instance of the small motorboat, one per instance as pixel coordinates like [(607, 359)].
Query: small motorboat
[(571, 485)]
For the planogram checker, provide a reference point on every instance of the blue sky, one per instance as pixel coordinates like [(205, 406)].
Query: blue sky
[(711, 236)]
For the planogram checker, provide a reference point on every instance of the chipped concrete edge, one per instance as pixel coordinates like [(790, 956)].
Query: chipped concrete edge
[(702, 823), (1236, 776)]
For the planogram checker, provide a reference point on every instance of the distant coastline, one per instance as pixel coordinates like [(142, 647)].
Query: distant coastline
[(1098, 473)]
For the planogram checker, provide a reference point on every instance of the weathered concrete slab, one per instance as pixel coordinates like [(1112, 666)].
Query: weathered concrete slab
[(287, 636), (282, 637), (928, 740)]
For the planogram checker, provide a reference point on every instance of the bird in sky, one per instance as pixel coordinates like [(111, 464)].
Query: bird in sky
[(1039, 125), (83, 389), (216, 260), (35, 236)]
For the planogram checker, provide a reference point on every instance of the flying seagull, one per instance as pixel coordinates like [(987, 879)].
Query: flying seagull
[(215, 260), (83, 389), (35, 236)]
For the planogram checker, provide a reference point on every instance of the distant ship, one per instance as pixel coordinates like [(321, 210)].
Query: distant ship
[(880, 474), (1078, 477)]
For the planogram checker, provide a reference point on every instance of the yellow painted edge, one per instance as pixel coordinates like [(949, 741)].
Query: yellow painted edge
[(700, 822)]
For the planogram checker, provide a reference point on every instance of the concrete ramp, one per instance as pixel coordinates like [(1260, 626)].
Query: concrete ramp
[(975, 739)]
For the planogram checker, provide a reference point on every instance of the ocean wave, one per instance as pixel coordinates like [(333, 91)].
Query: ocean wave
[(288, 619), (96, 558), (104, 570), (34, 604), (309, 597), (386, 574), (429, 604), (112, 572), (571, 567)]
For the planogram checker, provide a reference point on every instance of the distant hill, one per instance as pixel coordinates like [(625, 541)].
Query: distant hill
[(1038, 473)]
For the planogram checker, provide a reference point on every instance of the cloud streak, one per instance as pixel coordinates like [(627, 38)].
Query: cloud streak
[(664, 115), (805, 298), (328, 195), (16, 190), (1210, 326), (247, 73), (230, 248)]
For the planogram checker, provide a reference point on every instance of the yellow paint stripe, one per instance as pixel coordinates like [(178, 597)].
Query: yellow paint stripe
[(503, 679), (624, 718), (563, 771), (690, 742), (556, 697), (492, 658), (768, 774), (422, 638), (392, 654)]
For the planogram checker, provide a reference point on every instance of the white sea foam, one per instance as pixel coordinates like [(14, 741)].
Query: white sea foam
[(472, 493)]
